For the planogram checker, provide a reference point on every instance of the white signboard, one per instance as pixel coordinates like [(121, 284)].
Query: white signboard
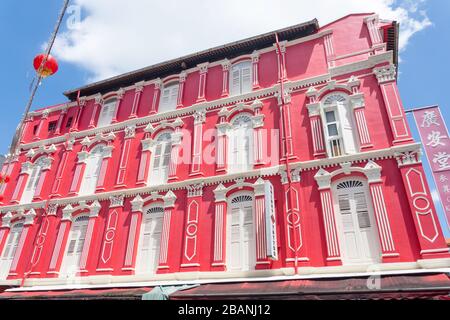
[(271, 223)]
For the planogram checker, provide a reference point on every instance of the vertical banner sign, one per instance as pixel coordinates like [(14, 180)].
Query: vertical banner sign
[(271, 223), (436, 142)]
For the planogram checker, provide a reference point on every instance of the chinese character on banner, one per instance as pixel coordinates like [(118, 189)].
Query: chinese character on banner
[(435, 139)]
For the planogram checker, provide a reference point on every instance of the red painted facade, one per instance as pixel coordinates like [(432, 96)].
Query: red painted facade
[(349, 57)]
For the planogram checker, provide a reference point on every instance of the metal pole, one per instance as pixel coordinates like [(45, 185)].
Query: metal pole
[(37, 81)]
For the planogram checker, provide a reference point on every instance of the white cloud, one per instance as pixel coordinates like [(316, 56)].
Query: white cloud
[(117, 36)]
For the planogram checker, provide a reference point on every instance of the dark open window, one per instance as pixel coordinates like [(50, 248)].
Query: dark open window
[(69, 122), (52, 126)]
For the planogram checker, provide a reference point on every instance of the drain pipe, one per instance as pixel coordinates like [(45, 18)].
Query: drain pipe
[(288, 169)]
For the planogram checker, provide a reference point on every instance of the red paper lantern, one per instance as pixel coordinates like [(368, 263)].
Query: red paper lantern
[(48, 68)]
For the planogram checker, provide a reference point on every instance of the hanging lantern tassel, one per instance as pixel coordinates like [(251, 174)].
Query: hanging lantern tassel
[(49, 68)]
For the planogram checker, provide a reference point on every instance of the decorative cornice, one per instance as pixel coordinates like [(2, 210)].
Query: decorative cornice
[(362, 157)]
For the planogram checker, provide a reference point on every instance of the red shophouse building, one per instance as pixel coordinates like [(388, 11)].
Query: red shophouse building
[(177, 172)]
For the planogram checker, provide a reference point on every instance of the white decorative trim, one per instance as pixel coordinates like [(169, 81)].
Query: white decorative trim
[(130, 131), (29, 217), (385, 73), (107, 137), (137, 204), (195, 190), (169, 199), (361, 157), (6, 220), (116, 201)]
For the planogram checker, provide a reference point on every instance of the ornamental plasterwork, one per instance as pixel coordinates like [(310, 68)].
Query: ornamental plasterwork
[(226, 64), (287, 96), (107, 137), (6, 220), (169, 199), (41, 150), (199, 116), (130, 131), (203, 67), (69, 210), (137, 204), (29, 217), (27, 167), (240, 106), (195, 190), (164, 124), (98, 99), (106, 152), (408, 158), (52, 209), (385, 73), (371, 170), (116, 201), (255, 56), (295, 175)]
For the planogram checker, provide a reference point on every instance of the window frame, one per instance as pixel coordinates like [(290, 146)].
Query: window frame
[(169, 105), (99, 155), (234, 135), (241, 65), (168, 145), (105, 120)]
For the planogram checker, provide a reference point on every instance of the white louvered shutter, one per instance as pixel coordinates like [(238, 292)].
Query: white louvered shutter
[(150, 242), (75, 245), (246, 74), (10, 250), (348, 227), (248, 250), (107, 114), (235, 87), (347, 128), (169, 98), (235, 251), (91, 174)]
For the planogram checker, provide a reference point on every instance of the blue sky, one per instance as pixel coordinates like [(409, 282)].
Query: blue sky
[(26, 25)]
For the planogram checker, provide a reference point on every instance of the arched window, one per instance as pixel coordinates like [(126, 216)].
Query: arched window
[(240, 150), (74, 247), (150, 240), (338, 125), (241, 243), (161, 159), (107, 113), (356, 223), (169, 97), (33, 180), (92, 171), (10, 249), (241, 78)]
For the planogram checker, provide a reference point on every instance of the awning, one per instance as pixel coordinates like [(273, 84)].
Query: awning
[(163, 292), (430, 286), (82, 294)]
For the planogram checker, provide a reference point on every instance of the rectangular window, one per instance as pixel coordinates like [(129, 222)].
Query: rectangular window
[(169, 98), (241, 78), (52, 126), (107, 113), (35, 128), (335, 145)]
